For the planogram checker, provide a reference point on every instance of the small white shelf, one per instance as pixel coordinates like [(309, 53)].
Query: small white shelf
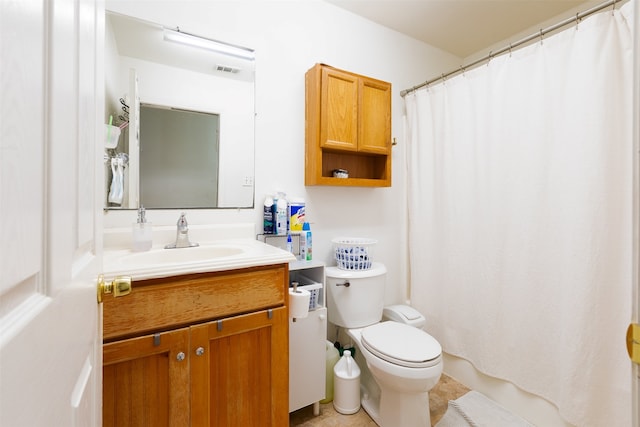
[(307, 338)]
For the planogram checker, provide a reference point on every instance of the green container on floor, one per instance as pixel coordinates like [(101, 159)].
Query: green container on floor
[(332, 357)]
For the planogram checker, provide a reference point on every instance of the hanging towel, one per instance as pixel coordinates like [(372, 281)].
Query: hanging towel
[(117, 181)]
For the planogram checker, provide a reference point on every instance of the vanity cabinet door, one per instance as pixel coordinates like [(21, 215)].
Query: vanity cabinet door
[(146, 381), (239, 376)]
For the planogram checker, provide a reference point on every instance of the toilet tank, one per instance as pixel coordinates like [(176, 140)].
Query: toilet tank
[(355, 299)]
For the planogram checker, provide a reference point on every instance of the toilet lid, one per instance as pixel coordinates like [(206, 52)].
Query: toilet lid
[(401, 344)]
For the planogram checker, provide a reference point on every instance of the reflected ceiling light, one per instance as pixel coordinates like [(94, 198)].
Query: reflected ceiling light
[(178, 36)]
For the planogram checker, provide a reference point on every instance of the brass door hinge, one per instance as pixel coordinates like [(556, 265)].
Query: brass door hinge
[(633, 342)]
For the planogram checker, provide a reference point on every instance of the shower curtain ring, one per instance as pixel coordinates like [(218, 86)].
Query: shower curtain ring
[(541, 36)]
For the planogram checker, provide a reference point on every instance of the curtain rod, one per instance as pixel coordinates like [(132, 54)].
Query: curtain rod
[(511, 46)]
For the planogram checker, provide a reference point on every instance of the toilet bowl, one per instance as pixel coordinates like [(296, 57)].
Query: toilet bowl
[(404, 361)]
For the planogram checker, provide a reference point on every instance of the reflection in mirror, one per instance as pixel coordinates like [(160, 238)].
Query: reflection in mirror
[(185, 142), (209, 90)]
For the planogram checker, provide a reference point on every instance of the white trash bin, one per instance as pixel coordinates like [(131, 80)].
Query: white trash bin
[(346, 385)]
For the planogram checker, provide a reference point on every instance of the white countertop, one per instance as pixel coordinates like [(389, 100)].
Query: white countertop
[(243, 252)]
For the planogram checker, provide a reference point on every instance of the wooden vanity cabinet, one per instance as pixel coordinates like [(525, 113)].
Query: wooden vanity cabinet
[(219, 356), (348, 126), (144, 383)]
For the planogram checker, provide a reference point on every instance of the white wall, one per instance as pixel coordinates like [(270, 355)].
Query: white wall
[(289, 38)]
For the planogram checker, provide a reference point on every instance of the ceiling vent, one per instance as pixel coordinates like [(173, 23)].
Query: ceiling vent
[(227, 69)]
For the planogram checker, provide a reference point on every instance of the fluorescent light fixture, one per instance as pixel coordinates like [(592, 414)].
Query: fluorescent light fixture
[(208, 44)]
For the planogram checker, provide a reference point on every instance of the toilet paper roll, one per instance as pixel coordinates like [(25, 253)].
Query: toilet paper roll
[(299, 303)]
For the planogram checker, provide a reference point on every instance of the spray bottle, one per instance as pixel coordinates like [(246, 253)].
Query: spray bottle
[(281, 214), (268, 220)]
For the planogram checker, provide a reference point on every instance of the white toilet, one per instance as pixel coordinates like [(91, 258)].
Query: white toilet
[(404, 361)]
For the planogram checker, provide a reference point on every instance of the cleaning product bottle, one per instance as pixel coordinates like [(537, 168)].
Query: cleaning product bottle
[(331, 358), (268, 220), (281, 214), (306, 242), (289, 243), (346, 377), (142, 237), (296, 213)]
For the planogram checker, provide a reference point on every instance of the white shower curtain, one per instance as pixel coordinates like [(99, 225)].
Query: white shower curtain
[(519, 207)]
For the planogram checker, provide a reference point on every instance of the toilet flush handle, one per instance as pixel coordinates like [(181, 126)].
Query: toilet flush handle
[(345, 284)]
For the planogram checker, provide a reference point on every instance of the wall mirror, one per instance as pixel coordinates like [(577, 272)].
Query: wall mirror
[(180, 113)]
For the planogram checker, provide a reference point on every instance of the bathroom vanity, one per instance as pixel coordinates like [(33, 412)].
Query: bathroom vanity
[(199, 348)]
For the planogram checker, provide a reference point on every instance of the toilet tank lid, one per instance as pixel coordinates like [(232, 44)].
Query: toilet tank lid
[(377, 269)]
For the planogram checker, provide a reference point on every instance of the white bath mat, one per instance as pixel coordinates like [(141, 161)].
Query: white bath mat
[(477, 410)]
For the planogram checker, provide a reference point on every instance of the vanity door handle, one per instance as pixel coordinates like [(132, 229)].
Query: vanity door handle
[(199, 351), (119, 287)]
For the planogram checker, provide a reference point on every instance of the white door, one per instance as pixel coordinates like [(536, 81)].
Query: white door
[(50, 246), (635, 395)]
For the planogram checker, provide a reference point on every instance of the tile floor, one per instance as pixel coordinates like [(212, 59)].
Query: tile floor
[(446, 389)]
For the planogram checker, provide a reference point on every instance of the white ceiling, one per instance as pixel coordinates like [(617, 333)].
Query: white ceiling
[(461, 27)]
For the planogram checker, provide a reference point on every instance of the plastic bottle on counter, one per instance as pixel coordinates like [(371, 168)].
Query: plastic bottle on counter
[(306, 253), (281, 214), (289, 243), (268, 220)]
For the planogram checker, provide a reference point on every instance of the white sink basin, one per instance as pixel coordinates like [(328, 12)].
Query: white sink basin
[(220, 255), (182, 255)]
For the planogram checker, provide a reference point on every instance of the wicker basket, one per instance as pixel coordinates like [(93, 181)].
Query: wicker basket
[(353, 253)]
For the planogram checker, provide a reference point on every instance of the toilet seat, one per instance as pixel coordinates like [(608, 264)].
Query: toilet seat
[(401, 344)]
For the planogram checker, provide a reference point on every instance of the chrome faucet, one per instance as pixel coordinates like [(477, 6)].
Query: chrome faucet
[(182, 235)]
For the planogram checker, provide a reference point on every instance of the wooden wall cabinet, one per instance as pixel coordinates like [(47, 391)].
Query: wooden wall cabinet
[(348, 126), (206, 349)]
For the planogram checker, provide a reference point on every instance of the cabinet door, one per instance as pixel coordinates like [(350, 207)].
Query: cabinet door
[(339, 110), (307, 359), (146, 381), (240, 377), (375, 117)]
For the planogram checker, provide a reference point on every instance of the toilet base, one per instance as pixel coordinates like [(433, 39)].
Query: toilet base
[(398, 409)]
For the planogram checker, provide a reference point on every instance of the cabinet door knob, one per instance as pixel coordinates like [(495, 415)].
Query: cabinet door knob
[(180, 356), (322, 317), (199, 351)]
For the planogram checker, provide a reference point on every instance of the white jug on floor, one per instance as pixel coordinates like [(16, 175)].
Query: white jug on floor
[(346, 381)]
